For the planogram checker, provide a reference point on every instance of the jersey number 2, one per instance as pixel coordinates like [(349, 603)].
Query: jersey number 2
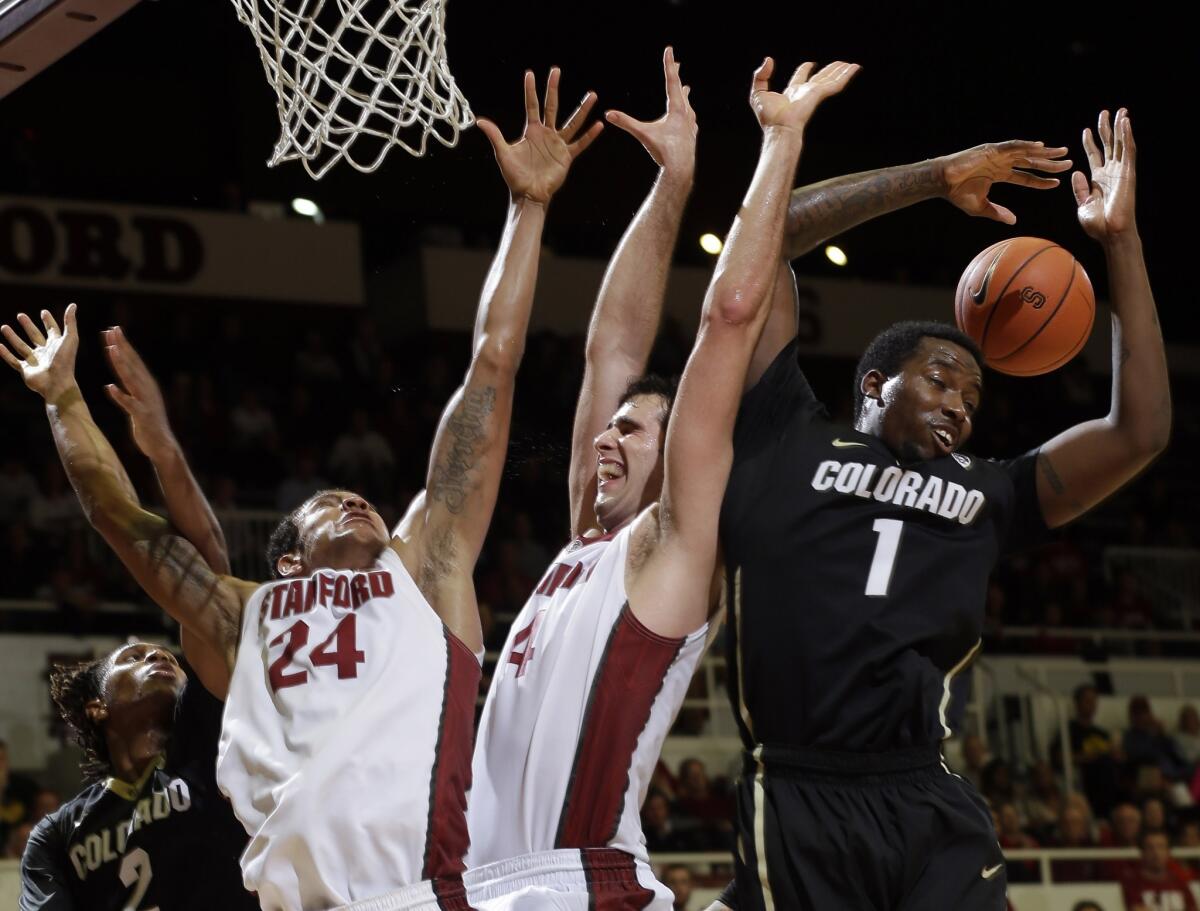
[(135, 868), (884, 560), (340, 649)]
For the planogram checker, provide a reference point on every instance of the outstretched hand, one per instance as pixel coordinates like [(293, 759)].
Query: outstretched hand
[(671, 139), (535, 166), (794, 106), (1106, 202), (968, 175), (137, 395), (47, 361)]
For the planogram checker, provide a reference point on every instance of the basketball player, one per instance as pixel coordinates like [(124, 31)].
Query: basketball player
[(149, 734), (151, 815), (352, 681), (858, 557), (599, 659)]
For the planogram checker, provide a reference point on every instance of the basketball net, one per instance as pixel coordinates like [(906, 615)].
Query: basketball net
[(356, 77)]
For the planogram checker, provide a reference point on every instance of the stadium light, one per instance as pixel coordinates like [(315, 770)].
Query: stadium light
[(308, 209), (710, 243), (836, 255)]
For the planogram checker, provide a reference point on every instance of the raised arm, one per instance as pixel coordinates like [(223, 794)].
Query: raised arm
[(442, 533), (626, 316), (1084, 465), (671, 591), (824, 210), (188, 510), (166, 565)]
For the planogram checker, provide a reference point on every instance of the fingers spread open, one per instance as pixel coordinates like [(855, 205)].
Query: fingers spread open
[(580, 114), (31, 329), (551, 112), (17, 343)]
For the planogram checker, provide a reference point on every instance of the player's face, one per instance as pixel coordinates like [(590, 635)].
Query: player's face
[(629, 461), (929, 407), (141, 670), (340, 530)]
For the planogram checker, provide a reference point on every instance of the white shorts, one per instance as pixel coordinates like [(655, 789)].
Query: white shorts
[(429, 895), (592, 879)]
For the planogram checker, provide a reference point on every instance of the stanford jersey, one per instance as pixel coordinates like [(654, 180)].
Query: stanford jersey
[(856, 582), (347, 737), (582, 698), (168, 841), (1168, 893)]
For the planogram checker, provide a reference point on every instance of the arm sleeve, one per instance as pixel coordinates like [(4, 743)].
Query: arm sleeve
[(729, 896), (1025, 525), (44, 882), (782, 397)]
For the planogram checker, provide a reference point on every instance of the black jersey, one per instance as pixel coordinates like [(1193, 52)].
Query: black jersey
[(856, 582), (168, 841)]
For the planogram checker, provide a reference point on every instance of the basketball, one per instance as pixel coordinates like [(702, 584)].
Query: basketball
[(1027, 303)]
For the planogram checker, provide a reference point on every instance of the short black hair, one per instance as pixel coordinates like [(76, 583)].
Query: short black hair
[(897, 343), (72, 687), (1078, 692), (653, 384), (286, 536)]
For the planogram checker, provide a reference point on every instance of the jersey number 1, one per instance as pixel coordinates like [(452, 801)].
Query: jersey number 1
[(884, 560)]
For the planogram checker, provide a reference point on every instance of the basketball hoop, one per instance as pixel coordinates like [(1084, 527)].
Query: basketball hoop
[(356, 77)]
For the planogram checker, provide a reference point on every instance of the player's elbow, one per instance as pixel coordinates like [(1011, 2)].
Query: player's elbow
[(734, 306), (500, 353)]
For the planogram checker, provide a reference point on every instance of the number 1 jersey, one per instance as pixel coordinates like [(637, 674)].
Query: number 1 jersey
[(346, 744), (856, 582)]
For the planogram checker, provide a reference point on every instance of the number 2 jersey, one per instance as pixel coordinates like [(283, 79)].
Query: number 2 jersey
[(856, 583), (581, 700), (346, 746), (168, 841)]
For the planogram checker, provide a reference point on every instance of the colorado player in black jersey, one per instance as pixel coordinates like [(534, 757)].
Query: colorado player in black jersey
[(151, 830), (858, 556)]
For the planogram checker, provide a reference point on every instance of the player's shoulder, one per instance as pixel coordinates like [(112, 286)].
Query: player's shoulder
[(59, 824)]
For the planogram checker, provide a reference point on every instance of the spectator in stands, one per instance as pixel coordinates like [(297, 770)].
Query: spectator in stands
[(56, 509), (678, 878), (1124, 831), (18, 488), (1154, 814), (659, 827), (300, 484), (1146, 742), (1086, 905), (14, 844), (45, 802), (1151, 883), (314, 364), (253, 425), (1189, 837), (1073, 832), (1187, 737), (502, 584), (1045, 801), (975, 756), (24, 562), (16, 796), (1094, 752), (697, 799), (1131, 609), (362, 459), (1010, 836), (997, 783)]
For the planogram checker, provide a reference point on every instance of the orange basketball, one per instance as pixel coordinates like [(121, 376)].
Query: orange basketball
[(1027, 303)]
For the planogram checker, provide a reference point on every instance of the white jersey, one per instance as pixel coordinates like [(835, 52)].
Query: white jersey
[(346, 743), (581, 700)]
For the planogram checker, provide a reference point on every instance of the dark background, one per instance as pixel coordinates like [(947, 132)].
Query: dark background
[(170, 105)]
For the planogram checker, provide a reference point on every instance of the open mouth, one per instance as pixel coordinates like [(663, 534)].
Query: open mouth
[(609, 471), (943, 440)]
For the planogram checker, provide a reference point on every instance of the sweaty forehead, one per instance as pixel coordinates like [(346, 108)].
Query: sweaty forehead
[(641, 408), (947, 352)]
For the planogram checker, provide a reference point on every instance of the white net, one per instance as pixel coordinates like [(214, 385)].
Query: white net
[(356, 77)]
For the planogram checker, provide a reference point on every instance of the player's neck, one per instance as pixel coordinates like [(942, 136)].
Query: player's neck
[(136, 738)]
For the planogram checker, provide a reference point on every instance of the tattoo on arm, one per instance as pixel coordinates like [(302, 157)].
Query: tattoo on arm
[(826, 209), (448, 481), (1056, 482)]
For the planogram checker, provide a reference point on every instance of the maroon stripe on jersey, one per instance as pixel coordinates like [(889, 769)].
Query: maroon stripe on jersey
[(451, 894), (628, 680), (446, 838), (612, 881)]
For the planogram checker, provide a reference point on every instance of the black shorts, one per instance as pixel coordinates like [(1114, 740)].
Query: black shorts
[(895, 831)]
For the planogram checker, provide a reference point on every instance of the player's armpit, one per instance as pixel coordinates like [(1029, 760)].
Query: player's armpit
[(1085, 465)]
